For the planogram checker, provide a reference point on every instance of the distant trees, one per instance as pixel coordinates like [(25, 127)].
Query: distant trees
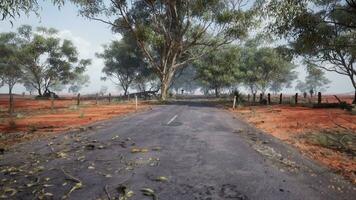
[(323, 32), (219, 69), (265, 68), (48, 60), (315, 81), (103, 90), (186, 79), (123, 64), (39, 60), (81, 81)]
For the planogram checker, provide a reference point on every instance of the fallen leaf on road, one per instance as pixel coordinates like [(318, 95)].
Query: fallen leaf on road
[(139, 150), (161, 179), (147, 191), (9, 191)]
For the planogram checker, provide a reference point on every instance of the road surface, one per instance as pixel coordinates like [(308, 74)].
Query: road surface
[(181, 151)]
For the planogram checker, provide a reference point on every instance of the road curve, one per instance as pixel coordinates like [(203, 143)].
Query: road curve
[(183, 151)]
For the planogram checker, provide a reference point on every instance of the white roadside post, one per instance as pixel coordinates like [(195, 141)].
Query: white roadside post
[(136, 101), (234, 104)]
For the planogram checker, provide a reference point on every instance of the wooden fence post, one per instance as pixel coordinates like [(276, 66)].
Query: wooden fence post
[(78, 99), (269, 99), (234, 103), (281, 98), (109, 98), (296, 98), (319, 97)]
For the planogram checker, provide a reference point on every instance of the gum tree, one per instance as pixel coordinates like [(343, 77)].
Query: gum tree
[(219, 69), (11, 68), (48, 60), (169, 31), (323, 32), (123, 63), (264, 68)]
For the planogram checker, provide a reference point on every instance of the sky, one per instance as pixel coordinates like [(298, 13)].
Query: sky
[(89, 36)]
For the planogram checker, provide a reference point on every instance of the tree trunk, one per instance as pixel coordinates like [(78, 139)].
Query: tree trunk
[(354, 101), (39, 92), (216, 92), (165, 83), (164, 91), (11, 101)]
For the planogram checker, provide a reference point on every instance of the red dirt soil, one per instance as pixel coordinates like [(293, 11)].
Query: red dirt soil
[(289, 123), (34, 118)]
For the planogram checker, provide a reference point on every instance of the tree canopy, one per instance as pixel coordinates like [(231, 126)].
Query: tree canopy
[(323, 32), (168, 33), (123, 63), (48, 60), (264, 68), (219, 69)]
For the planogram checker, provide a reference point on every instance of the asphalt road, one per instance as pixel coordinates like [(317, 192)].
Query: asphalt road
[(181, 151)]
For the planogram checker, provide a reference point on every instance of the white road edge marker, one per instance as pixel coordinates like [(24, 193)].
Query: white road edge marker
[(173, 118)]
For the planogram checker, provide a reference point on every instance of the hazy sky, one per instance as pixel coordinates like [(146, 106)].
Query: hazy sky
[(89, 36)]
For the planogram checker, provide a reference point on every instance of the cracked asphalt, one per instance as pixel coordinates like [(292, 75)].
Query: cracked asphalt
[(183, 151)]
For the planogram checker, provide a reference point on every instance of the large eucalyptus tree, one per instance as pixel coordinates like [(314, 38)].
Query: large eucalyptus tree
[(173, 33)]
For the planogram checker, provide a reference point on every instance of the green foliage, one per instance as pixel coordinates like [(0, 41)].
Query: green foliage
[(219, 69), (169, 33), (48, 62), (123, 63), (323, 32), (11, 67), (315, 81), (266, 68), (14, 8)]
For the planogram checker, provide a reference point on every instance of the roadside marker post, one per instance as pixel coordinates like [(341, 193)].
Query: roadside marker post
[(234, 104), (136, 101)]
